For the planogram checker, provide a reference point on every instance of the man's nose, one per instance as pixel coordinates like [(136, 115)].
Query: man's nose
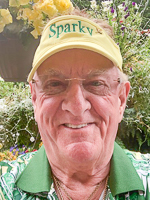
[(75, 101)]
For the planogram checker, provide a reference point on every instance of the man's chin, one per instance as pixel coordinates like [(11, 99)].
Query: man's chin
[(81, 151)]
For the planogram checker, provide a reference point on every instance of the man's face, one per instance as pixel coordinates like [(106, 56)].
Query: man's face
[(78, 104)]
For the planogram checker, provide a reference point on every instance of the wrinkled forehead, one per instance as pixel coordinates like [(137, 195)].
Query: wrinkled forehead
[(76, 63)]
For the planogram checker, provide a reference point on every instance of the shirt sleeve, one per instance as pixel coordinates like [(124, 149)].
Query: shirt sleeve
[(141, 163), (9, 172)]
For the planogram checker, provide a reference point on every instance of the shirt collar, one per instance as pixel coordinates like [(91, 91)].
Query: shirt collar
[(123, 176), (36, 177)]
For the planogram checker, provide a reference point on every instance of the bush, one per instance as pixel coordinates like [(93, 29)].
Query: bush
[(18, 126), (135, 127)]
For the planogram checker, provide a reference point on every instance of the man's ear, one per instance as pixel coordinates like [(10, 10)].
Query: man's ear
[(123, 94), (33, 95)]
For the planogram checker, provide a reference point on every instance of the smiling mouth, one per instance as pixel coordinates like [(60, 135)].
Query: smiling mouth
[(76, 126)]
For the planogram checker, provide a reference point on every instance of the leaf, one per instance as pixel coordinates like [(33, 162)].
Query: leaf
[(132, 94)]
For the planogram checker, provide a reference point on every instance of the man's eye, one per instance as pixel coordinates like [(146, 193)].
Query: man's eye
[(96, 83), (53, 87), (96, 87), (53, 84)]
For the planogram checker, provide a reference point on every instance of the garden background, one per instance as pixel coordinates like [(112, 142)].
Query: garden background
[(131, 23)]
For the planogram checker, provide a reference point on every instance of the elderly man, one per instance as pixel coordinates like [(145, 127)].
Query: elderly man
[(79, 94)]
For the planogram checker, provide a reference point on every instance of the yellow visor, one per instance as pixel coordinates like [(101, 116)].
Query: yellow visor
[(71, 31)]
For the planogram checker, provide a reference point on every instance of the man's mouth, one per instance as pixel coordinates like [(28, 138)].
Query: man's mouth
[(76, 126)]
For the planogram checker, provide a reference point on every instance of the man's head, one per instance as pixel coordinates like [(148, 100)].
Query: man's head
[(79, 96)]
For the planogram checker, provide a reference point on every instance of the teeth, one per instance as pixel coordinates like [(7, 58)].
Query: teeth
[(75, 126)]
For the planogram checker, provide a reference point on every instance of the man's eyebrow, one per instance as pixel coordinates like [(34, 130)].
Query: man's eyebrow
[(51, 72), (97, 72)]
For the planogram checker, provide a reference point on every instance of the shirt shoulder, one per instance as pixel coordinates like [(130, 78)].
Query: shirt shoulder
[(9, 172), (141, 163)]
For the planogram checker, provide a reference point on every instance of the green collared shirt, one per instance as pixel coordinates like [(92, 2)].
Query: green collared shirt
[(21, 179)]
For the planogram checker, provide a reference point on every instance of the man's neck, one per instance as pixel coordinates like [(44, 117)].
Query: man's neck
[(80, 184)]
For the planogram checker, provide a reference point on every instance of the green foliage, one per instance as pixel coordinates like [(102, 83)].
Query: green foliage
[(82, 4), (145, 10), (135, 127), (125, 18), (17, 124), (6, 90)]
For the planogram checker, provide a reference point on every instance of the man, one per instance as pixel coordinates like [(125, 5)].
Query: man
[(79, 95)]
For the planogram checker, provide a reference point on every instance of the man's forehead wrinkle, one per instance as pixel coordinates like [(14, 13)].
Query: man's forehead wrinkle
[(96, 72), (70, 71), (82, 72), (51, 72)]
